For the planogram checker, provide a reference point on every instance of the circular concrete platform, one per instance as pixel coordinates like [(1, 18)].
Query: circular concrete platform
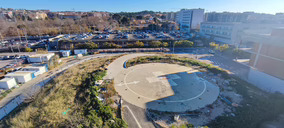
[(165, 87)]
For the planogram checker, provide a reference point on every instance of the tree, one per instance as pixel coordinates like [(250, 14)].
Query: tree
[(124, 20), (139, 44), (223, 47), (116, 17), (88, 45), (212, 44), (184, 43), (110, 45), (153, 27), (139, 17), (155, 44), (28, 49), (165, 44)]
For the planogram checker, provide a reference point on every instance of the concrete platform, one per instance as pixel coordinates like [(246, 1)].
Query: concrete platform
[(165, 87)]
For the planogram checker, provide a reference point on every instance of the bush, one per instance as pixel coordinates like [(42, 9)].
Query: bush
[(184, 43), (155, 44), (139, 44), (89, 45), (110, 45), (28, 50), (165, 44)]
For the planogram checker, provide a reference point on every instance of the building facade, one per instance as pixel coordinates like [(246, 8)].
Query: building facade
[(267, 60), (171, 16), (221, 32), (230, 32), (226, 17), (7, 83), (189, 19)]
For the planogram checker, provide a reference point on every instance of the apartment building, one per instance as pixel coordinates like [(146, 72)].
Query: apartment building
[(189, 19)]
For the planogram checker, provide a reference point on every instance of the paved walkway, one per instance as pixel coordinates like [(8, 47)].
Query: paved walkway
[(117, 66), (165, 87)]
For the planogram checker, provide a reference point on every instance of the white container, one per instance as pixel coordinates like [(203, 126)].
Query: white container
[(21, 77), (8, 83)]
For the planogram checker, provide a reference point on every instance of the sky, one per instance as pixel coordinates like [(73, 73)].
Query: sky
[(260, 6)]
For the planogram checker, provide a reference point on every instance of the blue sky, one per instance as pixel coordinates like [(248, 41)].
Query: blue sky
[(262, 6)]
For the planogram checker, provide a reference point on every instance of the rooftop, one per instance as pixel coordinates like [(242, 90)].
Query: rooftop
[(17, 73), (41, 55), (5, 79)]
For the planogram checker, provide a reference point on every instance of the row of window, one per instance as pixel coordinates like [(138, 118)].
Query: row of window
[(216, 32), (217, 27)]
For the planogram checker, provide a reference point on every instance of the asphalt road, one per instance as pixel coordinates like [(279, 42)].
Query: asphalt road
[(135, 116)]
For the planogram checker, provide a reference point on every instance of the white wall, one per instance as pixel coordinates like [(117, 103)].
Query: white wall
[(8, 84), (80, 51), (265, 81), (41, 58), (197, 18), (35, 60), (21, 78)]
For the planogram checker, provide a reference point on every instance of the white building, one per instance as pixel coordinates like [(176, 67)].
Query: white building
[(65, 53), (190, 19), (39, 58), (21, 77), (223, 32), (80, 51), (7, 83), (230, 32), (36, 69)]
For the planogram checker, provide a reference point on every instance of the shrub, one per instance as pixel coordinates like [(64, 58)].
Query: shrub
[(28, 50), (184, 43), (139, 44), (155, 44)]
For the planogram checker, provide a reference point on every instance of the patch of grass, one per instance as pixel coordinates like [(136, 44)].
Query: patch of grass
[(178, 60), (61, 104)]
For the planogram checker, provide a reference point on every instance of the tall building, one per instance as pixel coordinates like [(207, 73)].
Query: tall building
[(189, 19)]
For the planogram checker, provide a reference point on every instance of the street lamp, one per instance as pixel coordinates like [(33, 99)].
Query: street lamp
[(173, 47)]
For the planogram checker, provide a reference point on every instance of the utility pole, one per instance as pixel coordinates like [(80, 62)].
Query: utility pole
[(173, 47), (18, 33)]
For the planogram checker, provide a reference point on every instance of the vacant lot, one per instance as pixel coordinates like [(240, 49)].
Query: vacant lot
[(69, 101)]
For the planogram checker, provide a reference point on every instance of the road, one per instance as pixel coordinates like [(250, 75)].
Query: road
[(227, 63), (30, 88), (135, 116)]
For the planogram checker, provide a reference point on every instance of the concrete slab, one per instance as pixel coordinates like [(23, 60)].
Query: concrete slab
[(165, 87)]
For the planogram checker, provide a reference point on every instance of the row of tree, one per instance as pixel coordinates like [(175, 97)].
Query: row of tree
[(137, 44), (219, 47), (55, 26)]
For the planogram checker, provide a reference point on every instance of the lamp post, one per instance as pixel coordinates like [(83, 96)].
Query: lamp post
[(173, 47)]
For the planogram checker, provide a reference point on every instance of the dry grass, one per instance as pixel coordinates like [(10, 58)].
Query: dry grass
[(47, 111)]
